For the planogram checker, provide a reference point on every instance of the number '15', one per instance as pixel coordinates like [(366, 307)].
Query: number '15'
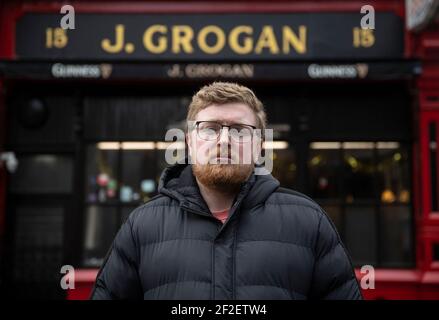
[(56, 37), (363, 37)]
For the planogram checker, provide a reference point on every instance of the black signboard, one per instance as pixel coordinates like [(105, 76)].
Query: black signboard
[(273, 71), (209, 37)]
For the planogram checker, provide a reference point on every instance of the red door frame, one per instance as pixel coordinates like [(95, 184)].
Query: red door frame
[(428, 222)]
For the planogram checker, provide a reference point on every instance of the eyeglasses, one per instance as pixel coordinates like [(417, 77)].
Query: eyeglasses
[(211, 130)]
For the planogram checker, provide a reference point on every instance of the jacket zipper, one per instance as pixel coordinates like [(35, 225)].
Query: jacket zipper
[(234, 208)]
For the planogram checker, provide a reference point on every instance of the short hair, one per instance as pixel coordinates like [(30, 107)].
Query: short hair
[(227, 92)]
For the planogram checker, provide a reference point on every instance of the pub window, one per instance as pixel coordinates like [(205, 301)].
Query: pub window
[(39, 194), (33, 170), (324, 162), (365, 189), (284, 163), (120, 176), (102, 224)]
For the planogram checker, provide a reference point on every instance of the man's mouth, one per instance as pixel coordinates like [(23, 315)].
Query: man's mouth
[(222, 159)]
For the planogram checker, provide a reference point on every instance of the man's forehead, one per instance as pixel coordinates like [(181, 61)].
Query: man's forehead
[(228, 113)]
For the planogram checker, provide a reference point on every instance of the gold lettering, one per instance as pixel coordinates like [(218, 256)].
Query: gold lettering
[(267, 40), (247, 47), (49, 38), (119, 41), (161, 45), (181, 39), (241, 39), (363, 38), (220, 39), (368, 38), (56, 37), (290, 39)]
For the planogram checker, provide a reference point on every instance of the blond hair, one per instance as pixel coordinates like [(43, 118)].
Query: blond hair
[(227, 92)]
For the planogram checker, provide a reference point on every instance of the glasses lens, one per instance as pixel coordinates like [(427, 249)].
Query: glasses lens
[(241, 134), (209, 130)]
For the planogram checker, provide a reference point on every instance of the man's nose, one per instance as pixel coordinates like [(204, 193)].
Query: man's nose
[(224, 136)]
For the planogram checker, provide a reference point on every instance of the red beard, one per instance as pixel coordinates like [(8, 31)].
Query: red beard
[(222, 177)]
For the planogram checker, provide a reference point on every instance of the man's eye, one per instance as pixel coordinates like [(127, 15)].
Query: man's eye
[(208, 131), (240, 130), (210, 127)]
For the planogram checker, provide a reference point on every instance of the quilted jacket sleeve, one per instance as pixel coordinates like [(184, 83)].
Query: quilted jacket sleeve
[(118, 277), (333, 276)]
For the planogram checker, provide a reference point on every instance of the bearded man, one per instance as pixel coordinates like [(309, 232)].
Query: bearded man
[(218, 230)]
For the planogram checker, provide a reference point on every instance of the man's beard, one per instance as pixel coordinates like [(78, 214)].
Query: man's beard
[(222, 177)]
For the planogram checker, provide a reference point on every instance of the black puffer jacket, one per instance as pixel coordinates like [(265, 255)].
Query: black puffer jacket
[(276, 244)]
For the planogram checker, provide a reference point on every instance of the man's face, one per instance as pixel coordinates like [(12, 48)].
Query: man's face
[(224, 161)]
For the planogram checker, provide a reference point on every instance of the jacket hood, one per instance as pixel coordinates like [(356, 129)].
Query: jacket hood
[(178, 182)]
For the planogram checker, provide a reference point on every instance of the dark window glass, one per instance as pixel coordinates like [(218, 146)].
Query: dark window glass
[(38, 254), (285, 167), (359, 173), (102, 172), (361, 234), (102, 223), (39, 227), (323, 164), (126, 211), (119, 177), (334, 213), (396, 236), (365, 189), (42, 174), (178, 152), (138, 181), (393, 175)]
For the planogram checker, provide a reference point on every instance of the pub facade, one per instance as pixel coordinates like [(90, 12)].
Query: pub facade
[(88, 92)]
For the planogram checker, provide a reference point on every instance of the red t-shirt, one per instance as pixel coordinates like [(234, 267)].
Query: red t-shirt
[(221, 215)]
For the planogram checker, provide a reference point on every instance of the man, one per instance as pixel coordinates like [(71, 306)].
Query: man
[(219, 231)]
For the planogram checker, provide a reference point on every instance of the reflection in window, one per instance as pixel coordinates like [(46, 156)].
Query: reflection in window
[(122, 171), (120, 176), (359, 174), (138, 175), (101, 173), (393, 171), (365, 189), (284, 164), (323, 167)]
